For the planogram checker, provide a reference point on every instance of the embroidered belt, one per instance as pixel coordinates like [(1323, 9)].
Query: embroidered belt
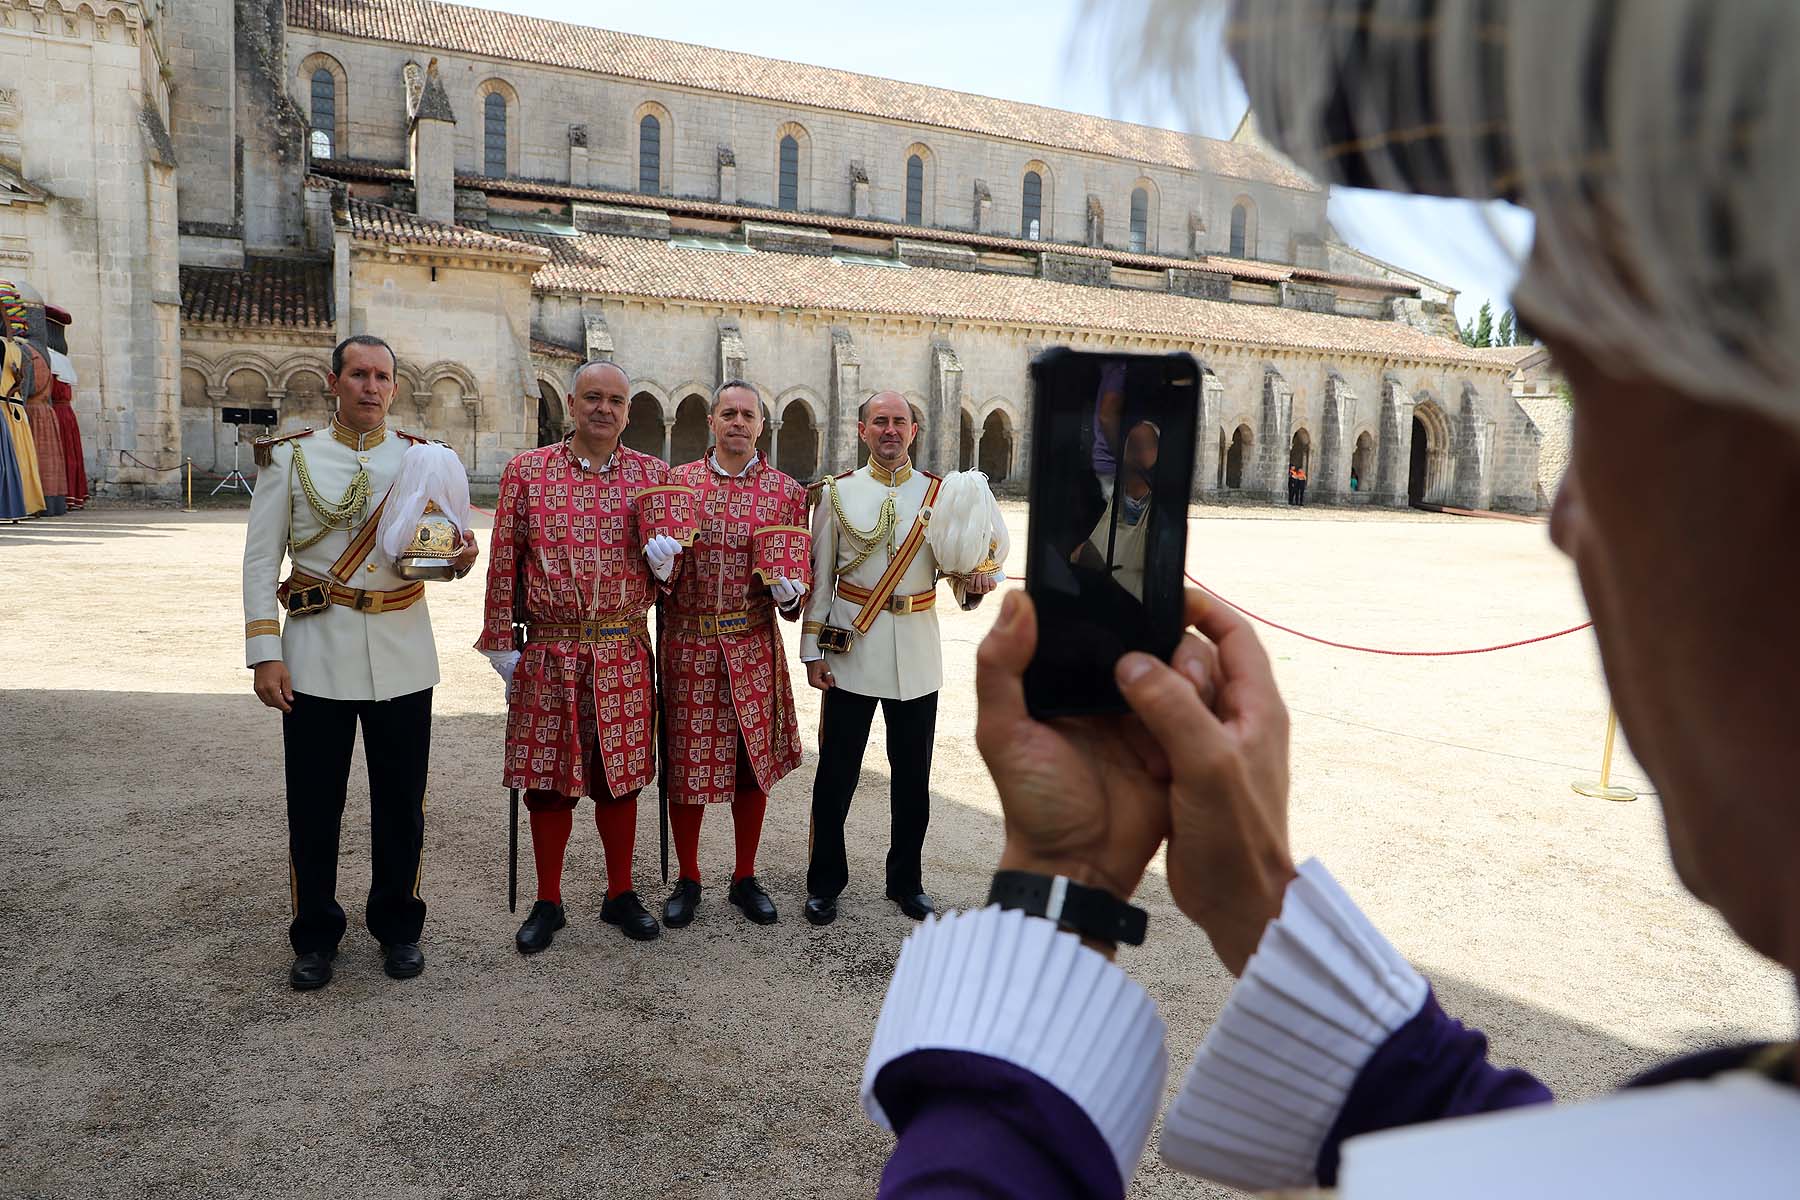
[(898, 605), (304, 594), (716, 624), (616, 627)]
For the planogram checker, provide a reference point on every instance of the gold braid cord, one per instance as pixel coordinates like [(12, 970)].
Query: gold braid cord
[(865, 541), (342, 515)]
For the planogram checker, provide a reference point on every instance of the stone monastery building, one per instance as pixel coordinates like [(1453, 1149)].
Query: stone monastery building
[(220, 189)]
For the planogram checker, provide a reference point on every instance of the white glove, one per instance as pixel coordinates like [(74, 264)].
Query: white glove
[(504, 662), (660, 552), (786, 592)]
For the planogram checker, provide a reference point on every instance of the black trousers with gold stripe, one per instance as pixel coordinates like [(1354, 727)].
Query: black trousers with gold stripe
[(319, 736)]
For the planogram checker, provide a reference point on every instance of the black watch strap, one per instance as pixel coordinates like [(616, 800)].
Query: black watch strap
[(1089, 912)]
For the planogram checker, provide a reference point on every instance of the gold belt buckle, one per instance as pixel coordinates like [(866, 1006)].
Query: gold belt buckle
[(900, 606)]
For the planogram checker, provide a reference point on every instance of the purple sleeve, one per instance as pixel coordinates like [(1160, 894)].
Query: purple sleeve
[(970, 1125), (1433, 1066)]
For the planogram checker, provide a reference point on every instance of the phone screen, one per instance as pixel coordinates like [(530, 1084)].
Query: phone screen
[(1112, 467)]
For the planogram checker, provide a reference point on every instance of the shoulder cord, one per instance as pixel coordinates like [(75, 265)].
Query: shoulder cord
[(342, 515), (865, 541)]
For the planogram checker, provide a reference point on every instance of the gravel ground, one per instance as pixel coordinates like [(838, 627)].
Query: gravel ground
[(154, 1049)]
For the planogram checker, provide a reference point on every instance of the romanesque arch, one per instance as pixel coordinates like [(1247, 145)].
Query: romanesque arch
[(994, 454), (1243, 228), (1362, 464), (793, 167), (1037, 201), (497, 126), (1142, 213), (919, 185), (1238, 455), (323, 90), (653, 134), (1429, 472), (644, 422), (796, 442), (550, 409), (689, 436), (965, 440)]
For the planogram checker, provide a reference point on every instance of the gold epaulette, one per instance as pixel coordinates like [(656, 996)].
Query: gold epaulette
[(416, 440), (928, 474), (263, 448)]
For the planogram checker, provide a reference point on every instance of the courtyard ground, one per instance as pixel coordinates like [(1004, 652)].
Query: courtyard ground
[(153, 1048)]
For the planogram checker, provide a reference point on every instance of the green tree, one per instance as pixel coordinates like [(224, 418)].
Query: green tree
[(1468, 332), (1484, 325), (1508, 329)]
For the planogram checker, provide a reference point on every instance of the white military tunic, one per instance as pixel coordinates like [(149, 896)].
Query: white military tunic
[(900, 658), (339, 653)]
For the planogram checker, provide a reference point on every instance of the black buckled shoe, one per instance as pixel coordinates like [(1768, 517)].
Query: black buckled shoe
[(755, 904), (821, 910), (628, 912), (311, 972), (402, 960), (539, 929), (678, 909), (916, 905)]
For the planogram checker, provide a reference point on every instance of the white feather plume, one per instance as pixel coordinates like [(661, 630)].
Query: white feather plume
[(429, 473), (965, 520)]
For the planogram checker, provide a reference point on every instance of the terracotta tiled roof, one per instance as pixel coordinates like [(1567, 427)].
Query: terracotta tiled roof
[(391, 227), (267, 292), (489, 34), (1240, 268), (623, 266), (545, 349)]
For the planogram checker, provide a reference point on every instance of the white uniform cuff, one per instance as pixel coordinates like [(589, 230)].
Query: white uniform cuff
[(1019, 989), (1323, 991), (264, 647)]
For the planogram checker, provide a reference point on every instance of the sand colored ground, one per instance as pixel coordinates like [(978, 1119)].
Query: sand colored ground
[(152, 1047)]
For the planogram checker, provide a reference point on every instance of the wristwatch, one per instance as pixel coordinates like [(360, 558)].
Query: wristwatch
[(1089, 912)]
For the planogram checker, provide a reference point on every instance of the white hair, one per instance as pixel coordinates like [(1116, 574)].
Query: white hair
[(1657, 143)]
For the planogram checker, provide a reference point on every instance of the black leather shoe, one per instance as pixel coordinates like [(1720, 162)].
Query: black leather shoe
[(821, 910), (678, 909), (628, 912), (539, 929), (749, 896), (916, 905), (311, 972), (403, 960)]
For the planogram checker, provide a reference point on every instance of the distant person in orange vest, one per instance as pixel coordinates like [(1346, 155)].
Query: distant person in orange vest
[(1300, 486), (1293, 484)]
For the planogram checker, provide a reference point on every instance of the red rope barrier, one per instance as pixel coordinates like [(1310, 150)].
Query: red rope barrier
[(1530, 641)]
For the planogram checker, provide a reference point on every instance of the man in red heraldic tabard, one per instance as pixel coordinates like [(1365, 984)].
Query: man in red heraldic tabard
[(576, 564), (730, 707)]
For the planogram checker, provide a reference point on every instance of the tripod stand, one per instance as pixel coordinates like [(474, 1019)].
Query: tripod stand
[(236, 479)]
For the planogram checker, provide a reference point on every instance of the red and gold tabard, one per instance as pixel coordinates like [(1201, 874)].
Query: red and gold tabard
[(724, 673), (568, 555)]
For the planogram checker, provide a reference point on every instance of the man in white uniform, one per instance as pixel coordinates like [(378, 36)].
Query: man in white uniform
[(871, 635), (357, 647)]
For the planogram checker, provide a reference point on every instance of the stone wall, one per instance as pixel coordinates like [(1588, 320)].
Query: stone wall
[(1553, 419), (103, 244), (829, 363), (201, 42), (550, 100)]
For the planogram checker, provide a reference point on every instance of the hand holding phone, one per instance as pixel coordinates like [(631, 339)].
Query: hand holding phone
[(1112, 468)]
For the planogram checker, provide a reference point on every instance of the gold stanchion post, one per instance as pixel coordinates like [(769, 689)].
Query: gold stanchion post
[(190, 486), (1604, 790)]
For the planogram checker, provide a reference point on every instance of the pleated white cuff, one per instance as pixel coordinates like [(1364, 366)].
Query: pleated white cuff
[(1323, 991), (1019, 989)]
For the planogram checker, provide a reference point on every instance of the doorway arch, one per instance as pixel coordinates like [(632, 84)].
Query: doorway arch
[(1428, 475)]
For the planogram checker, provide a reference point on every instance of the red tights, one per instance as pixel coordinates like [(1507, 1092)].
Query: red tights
[(747, 809), (553, 820)]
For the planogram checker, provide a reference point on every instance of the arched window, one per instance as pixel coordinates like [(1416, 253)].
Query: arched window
[(493, 135), (1140, 220), (650, 155), (1032, 209), (789, 194), (915, 190), (324, 114), (1240, 221)]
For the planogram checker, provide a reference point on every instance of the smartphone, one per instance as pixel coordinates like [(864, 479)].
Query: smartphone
[(1112, 466)]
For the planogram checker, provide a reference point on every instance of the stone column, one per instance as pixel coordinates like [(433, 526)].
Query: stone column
[(1470, 448), (1273, 434), (1206, 436), (734, 360), (775, 442), (578, 156), (945, 411), (1393, 446), (859, 191), (668, 439), (432, 150), (846, 395), (975, 449), (728, 185)]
